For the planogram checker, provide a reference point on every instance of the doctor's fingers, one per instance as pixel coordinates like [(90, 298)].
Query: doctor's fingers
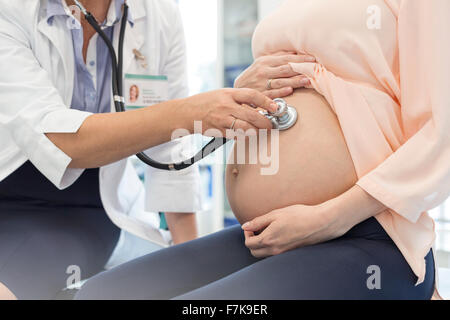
[(252, 117), (235, 128), (254, 99)]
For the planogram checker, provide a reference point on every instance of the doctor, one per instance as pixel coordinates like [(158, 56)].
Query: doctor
[(63, 153)]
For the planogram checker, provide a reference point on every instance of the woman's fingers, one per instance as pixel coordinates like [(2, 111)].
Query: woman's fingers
[(248, 234), (279, 60), (259, 246), (294, 82), (253, 244), (261, 253), (259, 223), (279, 93), (285, 86), (284, 53), (284, 71), (266, 68)]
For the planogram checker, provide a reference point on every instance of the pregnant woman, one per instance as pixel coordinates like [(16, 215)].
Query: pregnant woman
[(345, 215)]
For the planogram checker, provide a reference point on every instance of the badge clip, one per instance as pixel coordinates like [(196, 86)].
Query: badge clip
[(141, 57)]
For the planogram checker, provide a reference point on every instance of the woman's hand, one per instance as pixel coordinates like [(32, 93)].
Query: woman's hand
[(230, 109), (273, 75), (289, 228), (298, 226)]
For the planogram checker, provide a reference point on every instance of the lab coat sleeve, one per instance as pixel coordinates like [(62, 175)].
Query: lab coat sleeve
[(31, 106), (416, 177), (174, 191)]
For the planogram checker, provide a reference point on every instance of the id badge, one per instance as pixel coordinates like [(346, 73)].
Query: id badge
[(143, 90)]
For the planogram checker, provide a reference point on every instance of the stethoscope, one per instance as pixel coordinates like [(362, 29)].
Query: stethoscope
[(283, 119)]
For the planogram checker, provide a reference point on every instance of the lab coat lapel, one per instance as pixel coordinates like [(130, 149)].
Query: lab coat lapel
[(59, 37), (133, 40)]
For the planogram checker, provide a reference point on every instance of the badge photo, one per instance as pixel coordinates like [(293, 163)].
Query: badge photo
[(145, 90)]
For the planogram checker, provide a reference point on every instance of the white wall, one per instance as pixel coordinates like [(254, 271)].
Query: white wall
[(266, 6)]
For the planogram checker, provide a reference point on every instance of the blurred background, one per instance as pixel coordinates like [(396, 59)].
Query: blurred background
[(219, 49), (219, 34)]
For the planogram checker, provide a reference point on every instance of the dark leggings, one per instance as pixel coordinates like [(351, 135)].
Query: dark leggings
[(43, 231), (219, 267)]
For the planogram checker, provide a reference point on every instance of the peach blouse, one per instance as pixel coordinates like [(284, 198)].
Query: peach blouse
[(384, 67)]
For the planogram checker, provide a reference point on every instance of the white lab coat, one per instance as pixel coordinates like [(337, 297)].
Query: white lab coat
[(36, 86)]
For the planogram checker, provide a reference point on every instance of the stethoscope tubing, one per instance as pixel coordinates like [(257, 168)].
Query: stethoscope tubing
[(119, 102)]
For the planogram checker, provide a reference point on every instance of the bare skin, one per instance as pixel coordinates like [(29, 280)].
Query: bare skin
[(99, 9), (314, 197), (106, 138), (183, 226), (5, 293), (315, 165)]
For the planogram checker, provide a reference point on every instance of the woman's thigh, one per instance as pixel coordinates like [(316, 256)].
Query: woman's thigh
[(38, 244), (339, 269), (173, 271)]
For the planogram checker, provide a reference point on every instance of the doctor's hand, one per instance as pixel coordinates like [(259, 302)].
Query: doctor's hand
[(289, 228), (230, 109), (273, 75)]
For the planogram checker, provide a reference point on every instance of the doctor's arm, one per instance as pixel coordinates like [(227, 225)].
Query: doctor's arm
[(53, 136), (106, 138)]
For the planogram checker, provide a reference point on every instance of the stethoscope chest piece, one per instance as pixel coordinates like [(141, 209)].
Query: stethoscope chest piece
[(284, 118)]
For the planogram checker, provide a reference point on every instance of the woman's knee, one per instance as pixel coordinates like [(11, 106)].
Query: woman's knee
[(5, 293), (96, 288)]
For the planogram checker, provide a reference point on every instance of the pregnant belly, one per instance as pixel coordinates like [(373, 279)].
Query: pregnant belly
[(314, 163)]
